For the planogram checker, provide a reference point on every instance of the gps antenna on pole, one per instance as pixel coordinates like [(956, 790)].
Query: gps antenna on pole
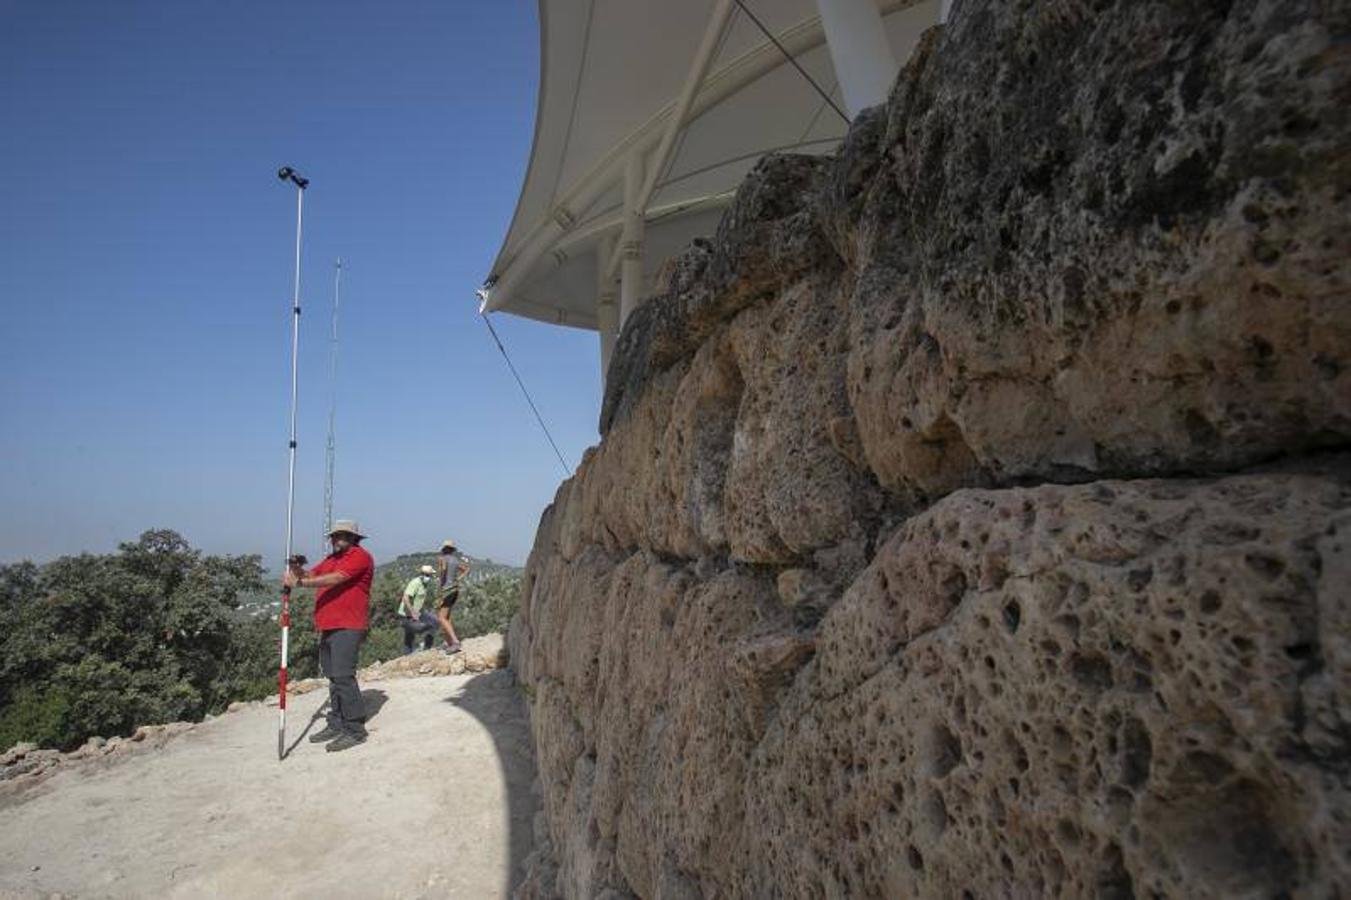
[(286, 173)]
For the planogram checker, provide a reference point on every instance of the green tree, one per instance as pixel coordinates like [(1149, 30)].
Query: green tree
[(99, 644), (487, 605), (17, 582)]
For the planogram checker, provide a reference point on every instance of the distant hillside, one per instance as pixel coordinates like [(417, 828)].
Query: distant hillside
[(409, 563)]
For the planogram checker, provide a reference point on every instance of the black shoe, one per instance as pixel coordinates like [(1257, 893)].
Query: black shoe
[(328, 734), (346, 741)]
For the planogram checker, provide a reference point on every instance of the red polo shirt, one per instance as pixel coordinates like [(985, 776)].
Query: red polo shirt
[(347, 603)]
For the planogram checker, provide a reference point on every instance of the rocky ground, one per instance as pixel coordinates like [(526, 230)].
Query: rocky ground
[(972, 513), (437, 803)]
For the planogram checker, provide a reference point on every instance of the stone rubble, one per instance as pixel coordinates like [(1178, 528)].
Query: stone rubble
[(479, 654), (24, 765)]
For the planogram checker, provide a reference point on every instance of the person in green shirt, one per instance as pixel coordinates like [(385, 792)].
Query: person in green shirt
[(412, 616)]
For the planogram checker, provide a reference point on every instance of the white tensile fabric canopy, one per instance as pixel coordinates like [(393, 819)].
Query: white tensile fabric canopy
[(680, 98)]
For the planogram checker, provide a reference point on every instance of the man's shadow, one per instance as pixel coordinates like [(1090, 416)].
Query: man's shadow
[(373, 699)]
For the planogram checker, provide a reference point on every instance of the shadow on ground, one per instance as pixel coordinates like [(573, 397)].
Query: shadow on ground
[(374, 700), (494, 699)]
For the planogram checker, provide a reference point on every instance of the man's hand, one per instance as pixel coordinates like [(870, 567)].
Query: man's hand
[(295, 568)]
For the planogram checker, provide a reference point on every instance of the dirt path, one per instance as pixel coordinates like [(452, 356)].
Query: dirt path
[(437, 803)]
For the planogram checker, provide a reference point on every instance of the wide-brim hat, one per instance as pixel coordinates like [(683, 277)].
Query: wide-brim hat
[(448, 544), (348, 525), (427, 570)]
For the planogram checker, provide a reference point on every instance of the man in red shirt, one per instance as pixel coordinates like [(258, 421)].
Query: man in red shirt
[(341, 612)]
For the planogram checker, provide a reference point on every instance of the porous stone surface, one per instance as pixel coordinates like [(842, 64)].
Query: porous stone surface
[(1102, 241), (1115, 688), (971, 512), (1123, 687)]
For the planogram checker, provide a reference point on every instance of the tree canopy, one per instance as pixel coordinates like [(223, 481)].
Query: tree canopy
[(99, 644)]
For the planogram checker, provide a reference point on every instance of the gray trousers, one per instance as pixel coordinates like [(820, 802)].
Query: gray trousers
[(425, 625), (338, 658)]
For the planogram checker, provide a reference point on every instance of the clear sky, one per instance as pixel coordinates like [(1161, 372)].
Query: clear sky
[(146, 251)]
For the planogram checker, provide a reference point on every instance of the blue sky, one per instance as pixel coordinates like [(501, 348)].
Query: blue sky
[(146, 263)]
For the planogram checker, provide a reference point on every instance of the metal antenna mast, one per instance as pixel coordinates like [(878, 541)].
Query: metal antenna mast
[(332, 403)]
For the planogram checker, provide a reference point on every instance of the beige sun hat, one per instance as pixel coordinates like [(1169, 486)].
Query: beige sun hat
[(348, 525), (428, 570), (449, 543)]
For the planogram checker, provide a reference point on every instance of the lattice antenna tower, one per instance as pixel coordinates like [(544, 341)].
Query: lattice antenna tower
[(330, 450)]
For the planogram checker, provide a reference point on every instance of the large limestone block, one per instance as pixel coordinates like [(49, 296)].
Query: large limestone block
[(1100, 241), (1110, 689), (660, 481), (728, 427), (747, 448), (1123, 688), (795, 482), (768, 240)]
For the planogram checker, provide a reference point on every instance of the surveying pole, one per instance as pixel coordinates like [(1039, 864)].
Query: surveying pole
[(286, 173)]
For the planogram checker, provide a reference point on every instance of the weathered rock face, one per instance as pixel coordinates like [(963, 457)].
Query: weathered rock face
[(972, 513)]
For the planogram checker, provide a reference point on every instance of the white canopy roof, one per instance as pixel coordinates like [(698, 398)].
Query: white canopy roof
[(612, 73)]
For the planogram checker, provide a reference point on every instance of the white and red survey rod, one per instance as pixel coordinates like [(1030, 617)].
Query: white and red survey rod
[(281, 675), (286, 173)]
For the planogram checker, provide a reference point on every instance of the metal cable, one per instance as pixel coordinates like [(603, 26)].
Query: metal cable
[(538, 418), (721, 41), (816, 116), (788, 56)]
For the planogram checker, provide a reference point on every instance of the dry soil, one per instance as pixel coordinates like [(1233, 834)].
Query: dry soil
[(437, 803)]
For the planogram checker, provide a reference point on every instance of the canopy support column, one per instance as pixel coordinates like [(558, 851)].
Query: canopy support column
[(859, 50), (607, 308), (631, 241)]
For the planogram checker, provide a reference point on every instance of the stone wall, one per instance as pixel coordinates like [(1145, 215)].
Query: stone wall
[(972, 511)]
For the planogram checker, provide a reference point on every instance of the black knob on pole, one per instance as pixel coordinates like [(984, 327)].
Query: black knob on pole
[(286, 173)]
